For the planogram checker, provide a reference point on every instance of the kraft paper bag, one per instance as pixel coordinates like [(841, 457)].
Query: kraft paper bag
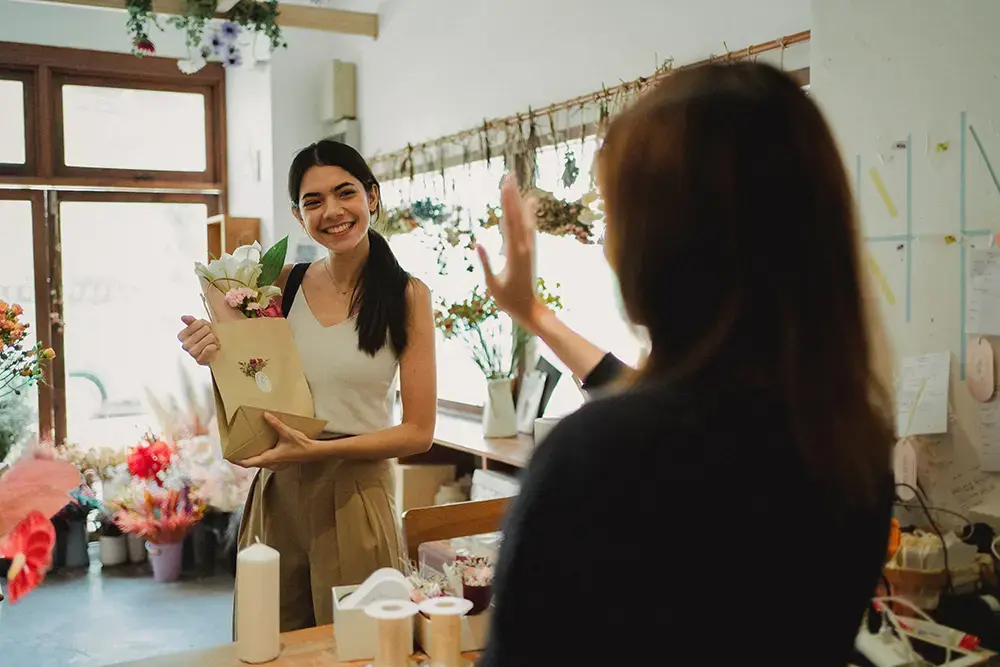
[(258, 370)]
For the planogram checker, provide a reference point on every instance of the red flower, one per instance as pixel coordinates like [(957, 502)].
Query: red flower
[(149, 458), (145, 47), (29, 548), (273, 309)]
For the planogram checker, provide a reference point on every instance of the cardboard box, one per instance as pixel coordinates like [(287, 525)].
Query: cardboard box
[(417, 484), (474, 631), (357, 633)]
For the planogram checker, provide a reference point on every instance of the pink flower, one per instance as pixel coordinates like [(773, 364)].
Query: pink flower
[(237, 296), (273, 309)]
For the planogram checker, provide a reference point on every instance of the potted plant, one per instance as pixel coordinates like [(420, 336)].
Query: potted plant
[(72, 538), (497, 347), (163, 518), (114, 543)]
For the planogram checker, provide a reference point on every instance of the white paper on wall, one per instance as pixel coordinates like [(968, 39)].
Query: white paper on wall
[(922, 395), (983, 312), (989, 429)]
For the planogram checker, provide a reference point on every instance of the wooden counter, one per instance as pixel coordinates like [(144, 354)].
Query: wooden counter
[(466, 435), (314, 647)]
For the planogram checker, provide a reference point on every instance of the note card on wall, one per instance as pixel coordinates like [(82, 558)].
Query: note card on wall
[(983, 313), (922, 395), (989, 428)]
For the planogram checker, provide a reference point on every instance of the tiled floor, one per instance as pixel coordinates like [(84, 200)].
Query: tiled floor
[(92, 619)]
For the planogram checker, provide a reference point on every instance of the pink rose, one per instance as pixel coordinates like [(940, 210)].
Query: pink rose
[(273, 309)]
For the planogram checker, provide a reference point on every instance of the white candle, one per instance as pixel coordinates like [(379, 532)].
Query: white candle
[(258, 627)]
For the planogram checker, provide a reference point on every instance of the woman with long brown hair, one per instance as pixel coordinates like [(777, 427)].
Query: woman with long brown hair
[(732, 498)]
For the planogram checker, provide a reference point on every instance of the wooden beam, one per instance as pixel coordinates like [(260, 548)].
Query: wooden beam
[(289, 16)]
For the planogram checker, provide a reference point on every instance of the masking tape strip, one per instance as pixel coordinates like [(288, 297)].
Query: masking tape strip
[(882, 282), (986, 158), (883, 192)]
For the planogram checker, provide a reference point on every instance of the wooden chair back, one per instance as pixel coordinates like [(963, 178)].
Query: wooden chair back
[(444, 522)]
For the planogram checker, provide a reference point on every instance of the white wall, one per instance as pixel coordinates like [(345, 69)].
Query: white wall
[(297, 74), (884, 70), (444, 65)]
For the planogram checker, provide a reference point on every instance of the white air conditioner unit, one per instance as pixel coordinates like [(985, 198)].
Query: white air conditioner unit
[(347, 131), (339, 93)]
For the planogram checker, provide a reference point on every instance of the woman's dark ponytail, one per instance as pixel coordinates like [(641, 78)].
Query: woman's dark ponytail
[(380, 299)]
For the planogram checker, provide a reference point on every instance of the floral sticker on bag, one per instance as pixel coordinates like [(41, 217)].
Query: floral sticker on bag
[(255, 369)]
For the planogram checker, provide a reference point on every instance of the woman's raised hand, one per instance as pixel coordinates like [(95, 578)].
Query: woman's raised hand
[(199, 340), (514, 286)]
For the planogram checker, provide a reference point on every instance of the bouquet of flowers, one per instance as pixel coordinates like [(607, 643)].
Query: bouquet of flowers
[(222, 485), (93, 462), (480, 323), (31, 491), (245, 280), (161, 517), (150, 460), (20, 367), (257, 368)]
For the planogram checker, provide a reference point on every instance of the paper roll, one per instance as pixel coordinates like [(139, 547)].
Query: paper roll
[(395, 636), (258, 589), (446, 614)]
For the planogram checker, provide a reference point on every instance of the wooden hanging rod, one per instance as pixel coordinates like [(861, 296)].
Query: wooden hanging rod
[(290, 16), (459, 138)]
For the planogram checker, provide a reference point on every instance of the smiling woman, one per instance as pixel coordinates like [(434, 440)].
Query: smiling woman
[(358, 319)]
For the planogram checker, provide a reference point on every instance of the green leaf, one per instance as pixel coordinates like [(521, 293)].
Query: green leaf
[(272, 262)]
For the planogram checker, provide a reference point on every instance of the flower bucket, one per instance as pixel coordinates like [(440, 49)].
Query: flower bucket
[(114, 550), (136, 549), (166, 560), (77, 542)]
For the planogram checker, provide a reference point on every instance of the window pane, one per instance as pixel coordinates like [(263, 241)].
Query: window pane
[(473, 187), (128, 276), (12, 139), (17, 285), (586, 283), (123, 128)]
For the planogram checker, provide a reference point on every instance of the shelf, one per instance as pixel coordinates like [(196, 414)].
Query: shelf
[(466, 435)]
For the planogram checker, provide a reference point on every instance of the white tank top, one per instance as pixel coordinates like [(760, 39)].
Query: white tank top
[(352, 391)]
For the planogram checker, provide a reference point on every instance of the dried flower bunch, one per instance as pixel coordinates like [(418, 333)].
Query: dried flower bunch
[(557, 217), (161, 518)]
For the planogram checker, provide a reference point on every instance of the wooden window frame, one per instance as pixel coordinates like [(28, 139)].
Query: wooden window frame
[(27, 79), (43, 321), (208, 176), (49, 68)]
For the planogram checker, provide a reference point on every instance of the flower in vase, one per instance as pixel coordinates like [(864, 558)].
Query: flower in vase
[(149, 459), (29, 548)]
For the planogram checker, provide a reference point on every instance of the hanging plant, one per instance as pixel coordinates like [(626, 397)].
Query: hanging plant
[(556, 217), (212, 29), (140, 20), (570, 170)]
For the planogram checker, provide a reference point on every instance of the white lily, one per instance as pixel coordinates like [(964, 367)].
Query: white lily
[(240, 269)]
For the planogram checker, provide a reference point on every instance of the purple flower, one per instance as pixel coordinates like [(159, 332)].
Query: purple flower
[(230, 31), (218, 44), (234, 58)]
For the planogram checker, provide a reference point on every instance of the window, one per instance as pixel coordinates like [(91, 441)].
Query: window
[(110, 128), (578, 273), (473, 187), (13, 146), (122, 164)]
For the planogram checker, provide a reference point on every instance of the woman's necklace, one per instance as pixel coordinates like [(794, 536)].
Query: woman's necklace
[(341, 290)]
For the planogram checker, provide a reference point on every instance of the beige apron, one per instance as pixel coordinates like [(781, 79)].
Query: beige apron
[(333, 524)]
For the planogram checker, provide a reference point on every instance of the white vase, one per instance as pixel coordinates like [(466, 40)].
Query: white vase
[(136, 549), (543, 426), (499, 415), (114, 550)]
